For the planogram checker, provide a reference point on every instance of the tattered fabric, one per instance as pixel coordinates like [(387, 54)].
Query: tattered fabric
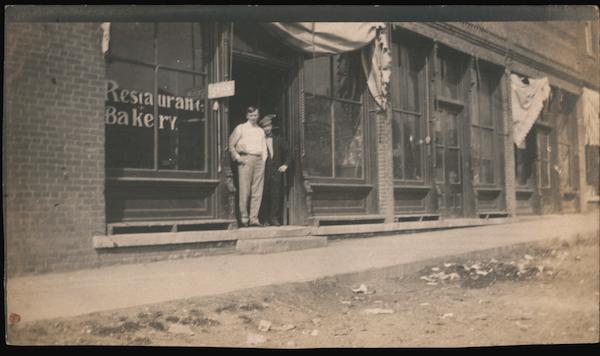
[(340, 37), (591, 116), (527, 101), (105, 27)]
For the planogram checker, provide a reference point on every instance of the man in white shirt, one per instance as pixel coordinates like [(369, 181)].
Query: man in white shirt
[(248, 149)]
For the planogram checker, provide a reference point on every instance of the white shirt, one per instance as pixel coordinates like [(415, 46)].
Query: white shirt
[(247, 139)]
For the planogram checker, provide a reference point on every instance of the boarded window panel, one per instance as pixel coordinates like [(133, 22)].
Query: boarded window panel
[(397, 149), (318, 144), (348, 76), (175, 45), (412, 147), (317, 76), (349, 140), (133, 41)]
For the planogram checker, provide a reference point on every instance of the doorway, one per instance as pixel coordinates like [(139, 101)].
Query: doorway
[(264, 85), (448, 160)]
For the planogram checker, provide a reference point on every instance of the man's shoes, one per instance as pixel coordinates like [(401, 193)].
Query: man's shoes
[(274, 222), (255, 224), (243, 224)]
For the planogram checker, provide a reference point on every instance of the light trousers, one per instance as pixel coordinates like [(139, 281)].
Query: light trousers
[(251, 177)]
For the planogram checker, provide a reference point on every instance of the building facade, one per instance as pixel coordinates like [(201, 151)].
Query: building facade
[(124, 139)]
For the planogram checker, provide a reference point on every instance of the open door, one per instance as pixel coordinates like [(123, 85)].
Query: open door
[(264, 86)]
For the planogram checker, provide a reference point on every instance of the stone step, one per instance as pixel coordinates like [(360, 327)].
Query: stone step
[(279, 244)]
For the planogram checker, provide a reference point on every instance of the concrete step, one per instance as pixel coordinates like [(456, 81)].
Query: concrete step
[(279, 244)]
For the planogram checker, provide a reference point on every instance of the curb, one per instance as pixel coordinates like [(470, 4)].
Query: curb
[(415, 266)]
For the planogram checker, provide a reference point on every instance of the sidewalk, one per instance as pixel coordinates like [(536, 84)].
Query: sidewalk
[(86, 291)]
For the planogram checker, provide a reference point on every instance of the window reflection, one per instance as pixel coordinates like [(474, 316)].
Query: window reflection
[(348, 140), (141, 111), (318, 137)]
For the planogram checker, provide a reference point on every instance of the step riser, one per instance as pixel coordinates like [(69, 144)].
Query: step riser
[(262, 246)]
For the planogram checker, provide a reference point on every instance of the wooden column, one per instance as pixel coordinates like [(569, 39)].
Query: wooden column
[(509, 147)]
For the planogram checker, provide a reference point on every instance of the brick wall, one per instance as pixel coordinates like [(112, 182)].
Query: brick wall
[(53, 145), (385, 166)]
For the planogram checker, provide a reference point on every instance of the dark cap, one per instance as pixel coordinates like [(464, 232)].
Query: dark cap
[(266, 120)]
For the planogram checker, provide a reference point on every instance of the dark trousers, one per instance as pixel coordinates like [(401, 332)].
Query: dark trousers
[(272, 194)]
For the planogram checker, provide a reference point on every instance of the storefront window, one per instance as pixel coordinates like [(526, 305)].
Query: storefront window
[(485, 125), (524, 158), (334, 131), (155, 104), (544, 158), (407, 91), (566, 122)]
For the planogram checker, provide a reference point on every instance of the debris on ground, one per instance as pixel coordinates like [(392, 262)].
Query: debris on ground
[(361, 289), (264, 325), (378, 311), (483, 273), (255, 339), (447, 315), (315, 332), (180, 329), (285, 327)]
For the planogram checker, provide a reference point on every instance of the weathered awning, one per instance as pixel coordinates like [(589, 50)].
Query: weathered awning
[(591, 116), (340, 37), (105, 28), (527, 101)]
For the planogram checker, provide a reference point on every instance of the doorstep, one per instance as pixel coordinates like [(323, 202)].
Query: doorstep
[(282, 238), (363, 229), (190, 237)]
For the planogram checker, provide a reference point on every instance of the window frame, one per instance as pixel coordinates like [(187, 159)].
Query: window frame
[(400, 75), (493, 78), (364, 177), (156, 172)]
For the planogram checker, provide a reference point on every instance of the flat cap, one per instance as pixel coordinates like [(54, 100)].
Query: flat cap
[(266, 120)]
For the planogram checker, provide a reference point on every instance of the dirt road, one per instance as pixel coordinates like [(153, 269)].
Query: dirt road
[(543, 294)]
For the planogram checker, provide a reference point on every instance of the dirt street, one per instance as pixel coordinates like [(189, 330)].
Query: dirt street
[(542, 294)]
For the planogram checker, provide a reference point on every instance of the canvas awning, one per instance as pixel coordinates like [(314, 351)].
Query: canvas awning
[(527, 101), (591, 116), (339, 37)]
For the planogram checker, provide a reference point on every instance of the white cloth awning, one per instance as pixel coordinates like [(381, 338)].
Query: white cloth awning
[(527, 101), (105, 27), (591, 116), (340, 37)]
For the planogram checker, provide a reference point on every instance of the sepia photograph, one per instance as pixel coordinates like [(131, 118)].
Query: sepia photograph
[(301, 177)]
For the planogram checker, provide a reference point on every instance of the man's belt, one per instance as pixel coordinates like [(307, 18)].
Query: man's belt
[(250, 154)]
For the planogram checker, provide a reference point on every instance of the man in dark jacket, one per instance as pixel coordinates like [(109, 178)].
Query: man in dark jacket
[(277, 163)]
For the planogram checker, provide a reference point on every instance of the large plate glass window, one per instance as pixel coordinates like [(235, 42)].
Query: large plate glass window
[(156, 97), (333, 102)]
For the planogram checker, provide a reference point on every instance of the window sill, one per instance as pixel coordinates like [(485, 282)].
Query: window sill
[(160, 180), (400, 186), (445, 101)]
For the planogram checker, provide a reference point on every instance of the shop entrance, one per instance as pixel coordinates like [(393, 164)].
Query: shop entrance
[(448, 163), (264, 85)]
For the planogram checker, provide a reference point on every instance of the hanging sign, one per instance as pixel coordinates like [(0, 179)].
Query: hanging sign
[(221, 89)]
